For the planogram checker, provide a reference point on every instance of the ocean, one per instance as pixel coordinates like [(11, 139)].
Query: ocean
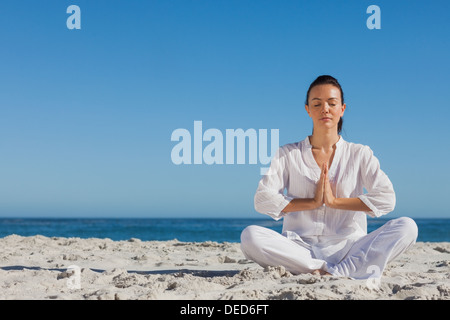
[(186, 229)]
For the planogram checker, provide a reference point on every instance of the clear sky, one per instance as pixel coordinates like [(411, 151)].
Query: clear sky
[(86, 115)]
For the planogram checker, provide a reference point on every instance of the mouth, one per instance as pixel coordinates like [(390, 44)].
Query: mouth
[(325, 119)]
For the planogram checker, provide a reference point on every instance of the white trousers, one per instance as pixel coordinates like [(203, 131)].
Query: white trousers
[(367, 257)]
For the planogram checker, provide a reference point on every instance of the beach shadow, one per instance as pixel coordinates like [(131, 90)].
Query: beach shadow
[(196, 273), (176, 272), (19, 268)]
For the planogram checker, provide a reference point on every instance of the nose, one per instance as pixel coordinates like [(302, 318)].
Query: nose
[(326, 108)]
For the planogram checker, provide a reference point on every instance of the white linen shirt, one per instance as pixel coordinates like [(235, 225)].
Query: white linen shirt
[(328, 232)]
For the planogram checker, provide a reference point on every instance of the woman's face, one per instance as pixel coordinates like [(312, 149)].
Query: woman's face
[(325, 106)]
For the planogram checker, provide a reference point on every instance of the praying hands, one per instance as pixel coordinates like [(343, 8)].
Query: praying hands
[(324, 195), (324, 192)]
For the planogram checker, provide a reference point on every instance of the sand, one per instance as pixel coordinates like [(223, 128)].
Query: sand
[(42, 268)]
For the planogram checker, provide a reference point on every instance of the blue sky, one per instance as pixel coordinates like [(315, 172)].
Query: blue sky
[(86, 116)]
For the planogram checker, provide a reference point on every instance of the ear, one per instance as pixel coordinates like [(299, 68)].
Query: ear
[(307, 109), (344, 106)]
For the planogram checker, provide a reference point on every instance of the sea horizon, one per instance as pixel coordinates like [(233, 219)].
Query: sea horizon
[(187, 229)]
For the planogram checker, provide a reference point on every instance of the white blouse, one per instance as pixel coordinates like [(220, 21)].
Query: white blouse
[(294, 173)]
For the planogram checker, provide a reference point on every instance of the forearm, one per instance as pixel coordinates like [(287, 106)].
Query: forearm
[(299, 204), (353, 204)]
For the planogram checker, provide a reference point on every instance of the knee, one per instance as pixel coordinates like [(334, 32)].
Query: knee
[(251, 238), (408, 228), (248, 235)]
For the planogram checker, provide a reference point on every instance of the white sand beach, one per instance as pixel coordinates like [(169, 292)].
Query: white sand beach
[(36, 268)]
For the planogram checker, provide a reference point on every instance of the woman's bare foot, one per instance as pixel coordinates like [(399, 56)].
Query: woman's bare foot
[(316, 272), (319, 272)]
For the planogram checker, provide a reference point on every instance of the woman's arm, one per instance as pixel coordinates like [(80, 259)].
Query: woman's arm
[(269, 197), (348, 204), (380, 195), (299, 204), (324, 194), (331, 201), (337, 203)]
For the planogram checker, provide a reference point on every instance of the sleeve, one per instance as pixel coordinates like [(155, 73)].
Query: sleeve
[(270, 198), (380, 196)]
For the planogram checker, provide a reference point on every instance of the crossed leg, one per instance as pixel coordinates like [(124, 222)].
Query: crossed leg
[(269, 248)]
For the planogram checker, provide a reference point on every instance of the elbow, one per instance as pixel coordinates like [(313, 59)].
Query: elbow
[(392, 203), (388, 206), (258, 205), (391, 199), (270, 204), (265, 206), (379, 206)]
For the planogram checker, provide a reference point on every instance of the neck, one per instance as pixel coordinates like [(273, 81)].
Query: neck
[(324, 139)]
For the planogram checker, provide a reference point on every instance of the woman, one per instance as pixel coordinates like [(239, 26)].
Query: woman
[(316, 185)]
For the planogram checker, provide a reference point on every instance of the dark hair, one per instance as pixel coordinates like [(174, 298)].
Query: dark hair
[(326, 79)]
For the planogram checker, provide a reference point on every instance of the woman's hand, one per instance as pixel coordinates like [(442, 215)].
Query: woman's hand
[(320, 187), (328, 196)]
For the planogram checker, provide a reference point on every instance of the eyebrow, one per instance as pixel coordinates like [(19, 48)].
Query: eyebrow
[(321, 99)]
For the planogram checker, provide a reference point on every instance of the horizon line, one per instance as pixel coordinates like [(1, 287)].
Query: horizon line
[(190, 217)]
